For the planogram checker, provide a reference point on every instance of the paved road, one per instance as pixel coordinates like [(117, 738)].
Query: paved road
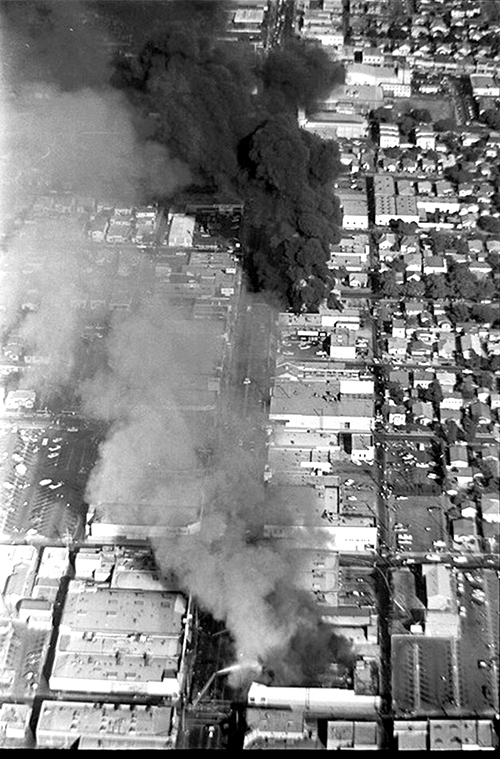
[(251, 366)]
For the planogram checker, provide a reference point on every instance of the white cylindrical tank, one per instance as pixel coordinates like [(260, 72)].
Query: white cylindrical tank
[(335, 701)]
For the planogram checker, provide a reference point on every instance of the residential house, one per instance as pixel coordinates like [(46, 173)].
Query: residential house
[(409, 244), (438, 308), (475, 246), (358, 279), (396, 415), (483, 394), (490, 507), (453, 400), (458, 456), (422, 412), (468, 509), (422, 378), (480, 269), (398, 328), (425, 188), (401, 376), (444, 324), (464, 530), (450, 415), (494, 401), (480, 412), (409, 164), (397, 346), (466, 189), (420, 350), (427, 164), (413, 263), (413, 307), (435, 265), (470, 344), (388, 241), (444, 188), (493, 246), (426, 319), (411, 326), (485, 191), (446, 379), (399, 277)]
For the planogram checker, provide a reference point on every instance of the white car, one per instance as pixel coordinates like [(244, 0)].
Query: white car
[(459, 559), (247, 381), (433, 557)]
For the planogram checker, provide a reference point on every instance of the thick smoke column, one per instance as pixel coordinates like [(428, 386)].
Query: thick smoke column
[(184, 111), (148, 471), (54, 136)]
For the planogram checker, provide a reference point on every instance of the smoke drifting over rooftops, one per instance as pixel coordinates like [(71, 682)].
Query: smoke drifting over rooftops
[(77, 116)]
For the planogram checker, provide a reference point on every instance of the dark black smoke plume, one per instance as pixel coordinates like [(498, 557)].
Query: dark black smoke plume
[(176, 114), (231, 117)]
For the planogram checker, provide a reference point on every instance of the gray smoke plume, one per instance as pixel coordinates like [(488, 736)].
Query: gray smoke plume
[(164, 460)]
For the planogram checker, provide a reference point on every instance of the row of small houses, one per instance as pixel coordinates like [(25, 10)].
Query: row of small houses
[(453, 408), (426, 344), (477, 248), (483, 408)]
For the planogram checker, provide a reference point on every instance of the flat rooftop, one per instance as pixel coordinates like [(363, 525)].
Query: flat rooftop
[(90, 608)]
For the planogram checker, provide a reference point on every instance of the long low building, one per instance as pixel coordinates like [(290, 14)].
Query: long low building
[(337, 702), (331, 125), (309, 405), (94, 726), (120, 641), (343, 538)]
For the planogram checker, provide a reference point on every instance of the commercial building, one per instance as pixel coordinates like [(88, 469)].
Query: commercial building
[(355, 213), (352, 99), (438, 586), (342, 538), (330, 125), (352, 735), (383, 184), (385, 209), (332, 702), (395, 82), (100, 726), (406, 208), (343, 344), (277, 728), (181, 231), (464, 734), (120, 640), (309, 405)]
